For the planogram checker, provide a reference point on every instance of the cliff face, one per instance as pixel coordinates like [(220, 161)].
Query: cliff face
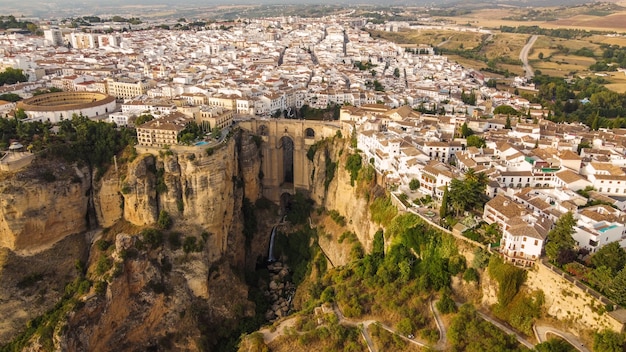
[(348, 200), (41, 205), (201, 192)]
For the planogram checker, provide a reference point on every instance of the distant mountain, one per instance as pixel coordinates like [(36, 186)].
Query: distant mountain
[(61, 8)]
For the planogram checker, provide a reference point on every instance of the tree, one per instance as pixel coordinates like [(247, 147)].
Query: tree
[(507, 124), (608, 341), (11, 76), (540, 56), (468, 194), (505, 110), (143, 119), (476, 141), (20, 114), (10, 97), (554, 345), (469, 99), (466, 131), (611, 256), (414, 184), (560, 237), (396, 72)]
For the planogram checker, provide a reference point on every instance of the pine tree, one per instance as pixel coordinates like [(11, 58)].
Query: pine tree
[(507, 124)]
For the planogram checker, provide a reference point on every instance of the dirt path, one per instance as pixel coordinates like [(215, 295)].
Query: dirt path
[(269, 336)]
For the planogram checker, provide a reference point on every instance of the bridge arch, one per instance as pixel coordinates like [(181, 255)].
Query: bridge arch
[(285, 142)]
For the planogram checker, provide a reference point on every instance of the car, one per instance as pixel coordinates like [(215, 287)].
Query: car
[(410, 336)]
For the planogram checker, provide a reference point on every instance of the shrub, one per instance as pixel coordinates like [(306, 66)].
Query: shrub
[(165, 221), (337, 218), (152, 237), (174, 240), (103, 244), (445, 304), (470, 275)]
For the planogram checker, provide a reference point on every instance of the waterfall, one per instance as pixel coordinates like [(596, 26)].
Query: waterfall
[(270, 254)]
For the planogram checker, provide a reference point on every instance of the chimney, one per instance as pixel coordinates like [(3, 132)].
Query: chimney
[(505, 203)]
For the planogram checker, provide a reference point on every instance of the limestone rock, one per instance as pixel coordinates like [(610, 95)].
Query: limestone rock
[(34, 214)]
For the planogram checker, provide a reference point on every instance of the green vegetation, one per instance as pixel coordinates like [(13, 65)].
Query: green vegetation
[(45, 324), (300, 208), (330, 113), (555, 345), (560, 246), (520, 309), (330, 168), (12, 76), (9, 22), (609, 341), (11, 97), (386, 341), (337, 218), (165, 220), (143, 119), (468, 194), (299, 247), (152, 237), (382, 210), (47, 90), (468, 332), (353, 165), (558, 32), (83, 139), (505, 110), (466, 131), (364, 66), (414, 184), (475, 141)]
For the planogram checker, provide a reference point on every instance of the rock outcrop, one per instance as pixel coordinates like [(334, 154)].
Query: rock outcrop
[(42, 205), (340, 195)]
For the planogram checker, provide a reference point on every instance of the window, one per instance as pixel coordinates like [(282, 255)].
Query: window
[(524, 239), (536, 242), (522, 246)]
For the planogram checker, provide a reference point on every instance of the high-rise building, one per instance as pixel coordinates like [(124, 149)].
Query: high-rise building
[(53, 37)]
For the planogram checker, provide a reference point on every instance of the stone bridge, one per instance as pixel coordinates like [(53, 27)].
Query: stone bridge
[(285, 144)]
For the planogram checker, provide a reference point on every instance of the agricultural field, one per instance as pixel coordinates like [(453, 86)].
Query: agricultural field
[(599, 16), (617, 82)]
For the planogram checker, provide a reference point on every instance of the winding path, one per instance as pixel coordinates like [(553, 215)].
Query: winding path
[(542, 331), (523, 56)]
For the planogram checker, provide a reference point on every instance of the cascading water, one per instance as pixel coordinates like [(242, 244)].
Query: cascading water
[(270, 254)]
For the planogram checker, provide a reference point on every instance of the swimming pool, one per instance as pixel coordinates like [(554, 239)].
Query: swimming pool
[(201, 143)]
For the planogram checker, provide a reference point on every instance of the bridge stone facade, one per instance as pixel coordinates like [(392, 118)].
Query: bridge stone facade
[(285, 166)]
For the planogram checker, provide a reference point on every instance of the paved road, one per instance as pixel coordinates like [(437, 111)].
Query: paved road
[(523, 55), (443, 339), (543, 331), (507, 330)]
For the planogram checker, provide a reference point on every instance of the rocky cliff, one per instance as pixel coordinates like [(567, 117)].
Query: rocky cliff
[(351, 201), (175, 285), (42, 204)]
